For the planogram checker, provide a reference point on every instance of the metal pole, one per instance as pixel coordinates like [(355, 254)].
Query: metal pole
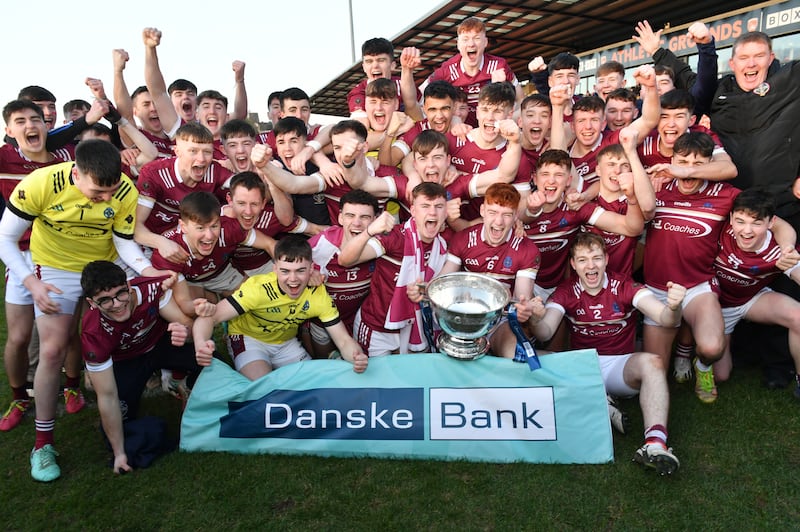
[(352, 33)]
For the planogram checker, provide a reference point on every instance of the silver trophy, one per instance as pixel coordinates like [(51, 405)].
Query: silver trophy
[(467, 306)]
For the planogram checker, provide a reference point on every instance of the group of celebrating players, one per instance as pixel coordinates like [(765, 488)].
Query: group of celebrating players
[(316, 242)]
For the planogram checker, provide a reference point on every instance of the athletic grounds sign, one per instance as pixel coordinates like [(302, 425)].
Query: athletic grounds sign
[(407, 407)]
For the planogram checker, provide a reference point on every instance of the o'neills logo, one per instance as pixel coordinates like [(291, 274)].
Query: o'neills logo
[(329, 413)]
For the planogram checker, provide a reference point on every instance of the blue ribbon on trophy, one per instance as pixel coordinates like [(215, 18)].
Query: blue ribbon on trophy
[(524, 352)]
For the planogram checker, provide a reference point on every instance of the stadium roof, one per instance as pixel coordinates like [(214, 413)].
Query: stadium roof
[(519, 31)]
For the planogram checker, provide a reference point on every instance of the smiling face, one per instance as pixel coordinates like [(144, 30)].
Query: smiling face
[(564, 76), (432, 166), (202, 237), (293, 276), (288, 145), (194, 158), (185, 103), (297, 108), (589, 264), (377, 66), (619, 113), (145, 111), (588, 127), (471, 45), (749, 231), (498, 222), (534, 121), (27, 127), (608, 168), (90, 189), (664, 84), (488, 115), (750, 63), (429, 214), (213, 114), (689, 186), (608, 82), (246, 205), (50, 112), (672, 124), (354, 219), (438, 112), (379, 111), (116, 303), (552, 180), (237, 150)]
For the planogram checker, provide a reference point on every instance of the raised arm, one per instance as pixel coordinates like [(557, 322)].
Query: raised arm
[(240, 94), (356, 250), (409, 60), (154, 80), (668, 315)]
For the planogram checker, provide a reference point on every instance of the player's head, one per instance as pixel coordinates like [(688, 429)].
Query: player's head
[(200, 221), (750, 60), (194, 148), (553, 175), (677, 116), (588, 258), (97, 170), (431, 153), (212, 110), (499, 212), (665, 79), (145, 110), (290, 138), (274, 106), (610, 76), (377, 58), (692, 149), (293, 265), (612, 161), (588, 120), (295, 102), (563, 70), (25, 124), (620, 109), (438, 105), (752, 216), (238, 138), (472, 41), (461, 105), (183, 94), (97, 131), (106, 288), (74, 109), (357, 209), (429, 209), (535, 118), (246, 197), (46, 101), (380, 103), (495, 103), (344, 132)]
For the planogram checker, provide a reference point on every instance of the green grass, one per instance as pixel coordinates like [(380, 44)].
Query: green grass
[(739, 465)]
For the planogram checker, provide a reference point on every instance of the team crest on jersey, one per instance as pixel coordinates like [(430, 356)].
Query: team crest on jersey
[(306, 306), (754, 270), (707, 205), (108, 212), (507, 262), (615, 307), (21, 195), (563, 222), (129, 219), (762, 89)]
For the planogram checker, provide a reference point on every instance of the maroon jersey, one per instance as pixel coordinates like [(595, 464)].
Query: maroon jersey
[(683, 235), (348, 287), (553, 233), (219, 152), (742, 274), (162, 189), (199, 268), (164, 145), (248, 258), (384, 278), (605, 321), (104, 339), (648, 149), (516, 256), (357, 96), (586, 166), (621, 249), (406, 140), (452, 72)]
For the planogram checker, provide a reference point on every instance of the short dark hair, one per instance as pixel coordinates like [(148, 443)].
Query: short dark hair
[(498, 93), (181, 84), (588, 240), (677, 99), (611, 67), (237, 128), (248, 181), (752, 36), (755, 201), (15, 106), (293, 93), (199, 207), (536, 100), (274, 95), (290, 124), (563, 61), (694, 143), (592, 104), (293, 248), (429, 140), (558, 157), (429, 190), (100, 275), (665, 70), (612, 150), (622, 94), (139, 90), (382, 88), (440, 89), (350, 125), (194, 132), (99, 159), (212, 95), (360, 197), (377, 46), (35, 93), (72, 105)]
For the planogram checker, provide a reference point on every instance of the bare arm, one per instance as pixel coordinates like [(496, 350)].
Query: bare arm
[(154, 80), (409, 60), (356, 250), (348, 347), (240, 95), (105, 386), (668, 315)]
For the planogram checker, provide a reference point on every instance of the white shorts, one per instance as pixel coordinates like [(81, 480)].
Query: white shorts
[(267, 267), (612, 368), (246, 349), (543, 293), (16, 293), (691, 293), (68, 282), (733, 315), (318, 333), (379, 343), (226, 282)]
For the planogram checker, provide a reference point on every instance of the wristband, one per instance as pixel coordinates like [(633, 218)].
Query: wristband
[(534, 215), (352, 164), (316, 146), (122, 122), (789, 271)]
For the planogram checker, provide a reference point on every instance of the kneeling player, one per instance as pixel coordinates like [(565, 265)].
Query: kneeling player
[(599, 306)]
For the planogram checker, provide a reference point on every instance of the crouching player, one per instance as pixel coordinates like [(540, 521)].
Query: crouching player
[(266, 311), (599, 306), (749, 259), (131, 329)]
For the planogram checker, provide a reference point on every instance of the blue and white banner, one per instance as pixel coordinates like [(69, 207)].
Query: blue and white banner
[(426, 406)]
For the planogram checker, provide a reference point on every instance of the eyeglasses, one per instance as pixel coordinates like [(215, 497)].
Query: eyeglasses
[(106, 303)]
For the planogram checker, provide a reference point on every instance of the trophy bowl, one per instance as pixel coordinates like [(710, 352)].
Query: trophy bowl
[(467, 306)]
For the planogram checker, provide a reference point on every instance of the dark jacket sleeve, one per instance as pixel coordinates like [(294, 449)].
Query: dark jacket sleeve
[(60, 137)]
